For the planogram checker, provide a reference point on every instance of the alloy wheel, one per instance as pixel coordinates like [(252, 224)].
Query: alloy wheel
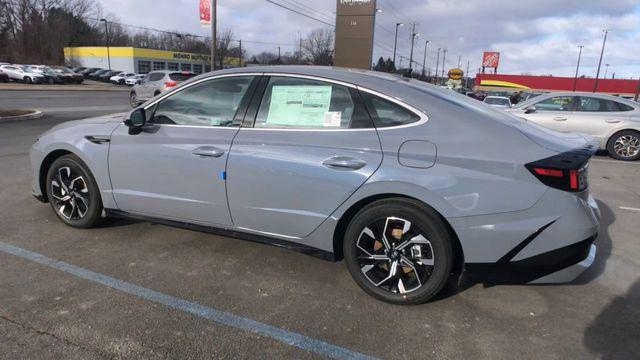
[(70, 193), (627, 146), (395, 255), (133, 99)]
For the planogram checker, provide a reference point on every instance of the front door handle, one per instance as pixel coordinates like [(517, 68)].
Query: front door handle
[(343, 163), (210, 151), (560, 118), (612, 121)]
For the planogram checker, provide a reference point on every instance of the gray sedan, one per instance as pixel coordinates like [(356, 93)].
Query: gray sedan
[(407, 182)]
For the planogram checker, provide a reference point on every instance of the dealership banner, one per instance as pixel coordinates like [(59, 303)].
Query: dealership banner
[(205, 13), (490, 59)]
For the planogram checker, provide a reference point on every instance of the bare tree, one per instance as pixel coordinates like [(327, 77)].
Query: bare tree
[(318, 46)]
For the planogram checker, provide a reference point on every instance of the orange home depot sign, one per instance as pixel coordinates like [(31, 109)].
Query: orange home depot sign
[(490, 59), (205, 12)]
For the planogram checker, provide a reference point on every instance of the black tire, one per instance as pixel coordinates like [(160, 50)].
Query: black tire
[(27, 80), (624, 145), (121, 82), (91, 198), (424, 221), (133, 99)]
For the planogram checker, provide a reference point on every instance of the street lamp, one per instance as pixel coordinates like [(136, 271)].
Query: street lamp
[(395, 43), (437, 64), (424, 59), (106, 37), (606, 69), (595, 86), (575, 78)]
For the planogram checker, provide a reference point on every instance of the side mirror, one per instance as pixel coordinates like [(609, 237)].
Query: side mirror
[(530, 109), (135, 122)]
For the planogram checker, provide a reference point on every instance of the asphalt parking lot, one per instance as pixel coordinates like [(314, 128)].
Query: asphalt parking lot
[(68, 293)]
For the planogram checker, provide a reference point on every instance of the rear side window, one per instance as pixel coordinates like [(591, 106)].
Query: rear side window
[(309, 104), (155, 76), (386, 113), (624, 107), (596, 104), (181, 76)]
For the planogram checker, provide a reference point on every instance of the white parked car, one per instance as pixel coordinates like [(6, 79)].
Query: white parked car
[(22, 74), (120, 78), (135, 79), (613, 121), (498, 101)]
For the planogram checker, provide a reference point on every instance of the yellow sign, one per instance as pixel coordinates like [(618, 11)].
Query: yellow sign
[(455, 74)]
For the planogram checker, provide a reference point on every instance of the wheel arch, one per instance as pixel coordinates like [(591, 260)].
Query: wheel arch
[(44, 168), (347, 216)]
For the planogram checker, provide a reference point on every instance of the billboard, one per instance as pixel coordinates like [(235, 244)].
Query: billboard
[(205, 13), (490, 59), (354, 33)]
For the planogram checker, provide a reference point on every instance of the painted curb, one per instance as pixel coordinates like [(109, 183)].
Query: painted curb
[(36, 114)]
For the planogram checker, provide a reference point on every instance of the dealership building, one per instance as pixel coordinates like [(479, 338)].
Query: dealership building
[(137, 60)]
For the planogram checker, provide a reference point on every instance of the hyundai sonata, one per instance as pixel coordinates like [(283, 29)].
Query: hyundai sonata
[(408, 183)]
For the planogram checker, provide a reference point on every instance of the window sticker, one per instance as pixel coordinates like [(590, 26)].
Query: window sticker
[(301, 105)]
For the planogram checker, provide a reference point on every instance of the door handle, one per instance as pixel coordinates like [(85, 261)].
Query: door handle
[(210, 151), (343, 163), (560, 118), (612, 121)]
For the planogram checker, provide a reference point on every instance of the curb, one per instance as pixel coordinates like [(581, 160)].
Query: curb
[(36, 114), (37, 87)]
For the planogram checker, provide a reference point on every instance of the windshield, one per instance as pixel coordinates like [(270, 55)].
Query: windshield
[(183, 76), (496, 101)]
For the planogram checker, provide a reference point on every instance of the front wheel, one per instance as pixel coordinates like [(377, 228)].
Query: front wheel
[(398, 251), (133, 99), (73, 193), (625, 145), (27, 80)]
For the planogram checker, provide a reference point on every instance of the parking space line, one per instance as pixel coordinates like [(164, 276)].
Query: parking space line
[(629, 208), (225, 318), (618, 162)]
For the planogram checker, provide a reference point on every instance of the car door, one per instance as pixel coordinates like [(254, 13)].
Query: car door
[(146, 87), (553, 112), (175, 167), (310, 146), (596, 116)]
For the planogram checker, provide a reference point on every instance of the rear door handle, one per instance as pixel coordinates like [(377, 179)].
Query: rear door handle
[(560, 118), (210, 151), (612, 121), (343, 163)]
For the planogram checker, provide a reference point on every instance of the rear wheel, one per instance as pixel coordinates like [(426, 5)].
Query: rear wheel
[(27, 80), (625, 145), (398, 251), (73, 193), (133, 99)]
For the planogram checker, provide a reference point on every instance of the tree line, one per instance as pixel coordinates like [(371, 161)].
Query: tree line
[(36, 31)]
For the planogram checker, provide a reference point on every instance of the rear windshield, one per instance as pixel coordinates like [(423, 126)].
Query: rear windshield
[(181, 76), (496, 101)]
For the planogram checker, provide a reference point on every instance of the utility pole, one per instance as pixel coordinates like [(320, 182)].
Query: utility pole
[(575, 78), (437, 64), (278, 54), (606, 70), (595, 86), (214, 35), (299, 49), (106, 40), (413, 38), (424, 58), (459, 63), (240, 62), (637, 91), (395, 43), (444, 56), (467, 73)]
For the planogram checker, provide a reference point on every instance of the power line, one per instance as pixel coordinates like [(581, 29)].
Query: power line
[(299, 13), (305, 7)]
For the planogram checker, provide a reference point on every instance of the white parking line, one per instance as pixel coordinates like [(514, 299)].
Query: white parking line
[(629, 208), (620, 162)]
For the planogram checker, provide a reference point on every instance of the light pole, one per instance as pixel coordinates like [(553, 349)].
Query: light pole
[(606, 69), (278, 55), (424, 58), (595, 86), (575, 78), (240, 45), (437, 64), (414, 35), (395, 43), (106, 39), (444, 56), (214, 35)]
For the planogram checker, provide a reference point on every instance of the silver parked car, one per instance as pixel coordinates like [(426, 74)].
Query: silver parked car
[(502, 102), (22, 74), (407, 182), (155, 83), (613, 121)]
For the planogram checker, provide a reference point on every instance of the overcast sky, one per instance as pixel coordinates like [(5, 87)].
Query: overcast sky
[(536, 37)]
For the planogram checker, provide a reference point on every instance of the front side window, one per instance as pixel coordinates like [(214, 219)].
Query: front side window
[(309, 104), (386, 113), (209, 103), (557, 103)]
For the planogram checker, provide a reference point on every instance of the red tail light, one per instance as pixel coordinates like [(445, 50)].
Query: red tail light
[(170, 83), (566, 171)]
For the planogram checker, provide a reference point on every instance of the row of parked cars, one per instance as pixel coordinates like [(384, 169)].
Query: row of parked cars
[(43, 74)]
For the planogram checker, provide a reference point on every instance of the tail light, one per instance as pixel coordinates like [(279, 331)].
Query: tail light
[(170, 83), (567, 171)]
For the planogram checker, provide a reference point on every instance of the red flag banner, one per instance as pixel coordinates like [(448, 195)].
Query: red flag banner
[(205, 12)]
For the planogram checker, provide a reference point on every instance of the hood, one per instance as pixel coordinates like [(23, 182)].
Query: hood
[(103, 119)]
